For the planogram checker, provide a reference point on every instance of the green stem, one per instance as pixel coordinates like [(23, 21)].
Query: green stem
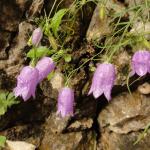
[(122, 37), (33, 61)]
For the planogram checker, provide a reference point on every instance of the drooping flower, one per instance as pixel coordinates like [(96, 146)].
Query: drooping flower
[(37, 36), (141, 63), (45, 66), (26, 83), (103, 80), (65, 102)]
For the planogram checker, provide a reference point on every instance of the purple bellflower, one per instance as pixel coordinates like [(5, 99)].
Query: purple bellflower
[(141, 63), (65, 102), (103, 80), (45, 66), (26, 83), (37, 36)]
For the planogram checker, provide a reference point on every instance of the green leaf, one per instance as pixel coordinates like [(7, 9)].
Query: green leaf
[(6, 100), (60, 52), (67, 57), (2, 110), (29, 43), (50, 75), (40, 52), (10, 96), (56, 20), (2, 141), (3, 96)]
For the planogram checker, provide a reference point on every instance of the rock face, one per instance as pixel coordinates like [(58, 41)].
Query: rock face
[(144, 88), (9, 20), (69, 141), (96, 125), (122, 119), (114, 141), (19, 145), (100, 26)]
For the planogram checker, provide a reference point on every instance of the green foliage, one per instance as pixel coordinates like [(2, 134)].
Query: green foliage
[(2, 142), (102, 12), (63, 53), (67, 57), (40, 52), (6, 101), (49, 77), (56, 20)]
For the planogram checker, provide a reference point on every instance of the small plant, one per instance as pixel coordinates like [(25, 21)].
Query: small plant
[(45, 59), (6, 101), (2, 142), (56, 21)]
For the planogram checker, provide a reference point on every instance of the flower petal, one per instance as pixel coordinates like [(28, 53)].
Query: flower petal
[(45, 66), (140, 62)]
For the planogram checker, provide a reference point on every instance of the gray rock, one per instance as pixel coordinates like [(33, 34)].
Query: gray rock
[(122, 60), (82, 124), (144, 88), (4, 40), (126, 113), (30, 133), (35, 8), (19, 145), (57, 81), (68, 141), (9, 20), (56, 124), (98, 27), (15, 61), (122, 121), (141, 28), (114, 141)]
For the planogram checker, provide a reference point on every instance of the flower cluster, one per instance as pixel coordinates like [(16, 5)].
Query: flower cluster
[(30, 76), (102, 82)]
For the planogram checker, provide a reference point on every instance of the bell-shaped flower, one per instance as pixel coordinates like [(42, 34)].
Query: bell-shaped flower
[(45, 66), (103, 80), (37, 36), (26, 83), (141, 63), (65, 102)]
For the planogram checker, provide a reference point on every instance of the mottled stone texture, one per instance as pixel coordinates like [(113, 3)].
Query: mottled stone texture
[(96, 124), (11, 13), (123, 119)]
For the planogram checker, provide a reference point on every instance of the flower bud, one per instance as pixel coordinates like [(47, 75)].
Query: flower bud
[(37, 36)]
